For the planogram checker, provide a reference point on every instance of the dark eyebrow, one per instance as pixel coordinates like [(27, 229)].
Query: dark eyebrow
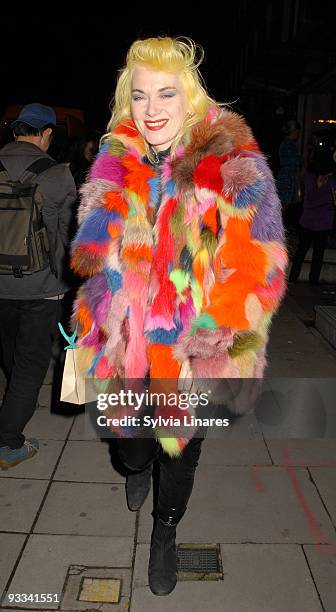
[(162, 89)]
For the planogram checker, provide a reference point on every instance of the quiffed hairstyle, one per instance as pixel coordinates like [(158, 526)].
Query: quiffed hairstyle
[(176, 55)]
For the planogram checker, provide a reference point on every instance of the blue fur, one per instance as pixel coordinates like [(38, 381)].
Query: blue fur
[(162, 336), (170, 188), (250, 195), (114, 279), (102, 149), (94, 362), (155, 190), (94, 228)]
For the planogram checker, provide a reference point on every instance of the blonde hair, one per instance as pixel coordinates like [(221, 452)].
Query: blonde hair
[(175, 55)]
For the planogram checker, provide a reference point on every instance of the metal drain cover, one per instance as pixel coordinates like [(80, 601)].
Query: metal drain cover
[(199, 562)]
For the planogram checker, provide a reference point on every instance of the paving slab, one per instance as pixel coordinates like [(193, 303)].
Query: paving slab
[(325, 479), (86, 509), (282, 568), (48, 426), (58, 553), (83, 429), (10, 546), (301, 409), (298, 363), (292, 336), (244, 505), (229, 452), (19, 502), (322, 562), (87, 461), (320, 452), (44, 398), (41, 465), (245, 427)]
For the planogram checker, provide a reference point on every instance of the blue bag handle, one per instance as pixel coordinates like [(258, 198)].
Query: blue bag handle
[(70, 339)]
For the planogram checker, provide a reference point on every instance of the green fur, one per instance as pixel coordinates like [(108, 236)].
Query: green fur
[(170, 446), (197, 295), (176, 221), (190, 242), (247, 342), (204, 321), (116, 148), (231, 211), (209, 241), (180, 279)]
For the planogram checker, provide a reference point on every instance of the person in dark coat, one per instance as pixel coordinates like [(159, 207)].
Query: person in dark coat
[(317, 219), (30, 305)]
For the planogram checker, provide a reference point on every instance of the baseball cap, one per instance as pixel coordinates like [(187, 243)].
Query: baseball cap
[(36, 115)]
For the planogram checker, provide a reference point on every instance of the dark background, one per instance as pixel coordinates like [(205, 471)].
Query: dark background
[(275, 59)]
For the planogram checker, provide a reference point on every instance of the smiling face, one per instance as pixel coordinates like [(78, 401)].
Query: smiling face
[(158, 106)]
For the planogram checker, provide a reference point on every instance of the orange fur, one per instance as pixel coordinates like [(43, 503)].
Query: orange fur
[(113, 201), (228, 302), (136, 252), (242, 253), (114, 229), (137, 178), (128, 128), (210, 219), (162, 362), (84, 317)]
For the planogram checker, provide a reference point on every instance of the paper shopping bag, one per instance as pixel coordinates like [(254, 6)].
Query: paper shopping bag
[(73, 382)]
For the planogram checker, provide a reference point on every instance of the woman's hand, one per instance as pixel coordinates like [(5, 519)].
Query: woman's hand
[(186, 382)]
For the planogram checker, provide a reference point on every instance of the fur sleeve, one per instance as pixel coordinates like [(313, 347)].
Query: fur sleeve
[(247, 268), (101, 215)]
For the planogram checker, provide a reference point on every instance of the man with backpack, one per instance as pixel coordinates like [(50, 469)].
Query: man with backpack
[(37, 200)]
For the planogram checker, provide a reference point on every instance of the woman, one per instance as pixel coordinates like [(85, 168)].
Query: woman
[(181, 238), (81, 154), (317, 219)]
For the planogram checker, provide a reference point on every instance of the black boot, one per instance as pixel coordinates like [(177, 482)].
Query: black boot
[(162, 570), (137, 487)]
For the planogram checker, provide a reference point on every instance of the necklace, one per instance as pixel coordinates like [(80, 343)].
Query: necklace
[(156, 158)]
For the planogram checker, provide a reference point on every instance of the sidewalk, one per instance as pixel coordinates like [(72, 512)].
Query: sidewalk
[(266, 493)]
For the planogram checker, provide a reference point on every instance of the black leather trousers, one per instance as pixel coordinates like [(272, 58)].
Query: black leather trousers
[(176, 474)]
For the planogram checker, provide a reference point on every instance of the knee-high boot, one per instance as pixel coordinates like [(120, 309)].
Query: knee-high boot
[(176, 483)]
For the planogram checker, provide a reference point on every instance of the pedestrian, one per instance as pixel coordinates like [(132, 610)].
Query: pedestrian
[(81, 154), (317, 219), (288, 178), (31, 288), (180, 234)]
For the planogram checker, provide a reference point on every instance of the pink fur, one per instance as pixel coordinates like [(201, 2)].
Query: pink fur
[(275, 289), (91, 196), (239, 173), (280, 256), (187, 312), (204, 344), (91, 339), (107, 165), (211, 367), (103, 369), (206, 198), (191, 207), (155, 321), (136, 363), (103, 308), (166, 171), (135, 285)]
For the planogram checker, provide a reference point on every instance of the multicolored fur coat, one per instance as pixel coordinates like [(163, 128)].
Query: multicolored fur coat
[(198, 277)]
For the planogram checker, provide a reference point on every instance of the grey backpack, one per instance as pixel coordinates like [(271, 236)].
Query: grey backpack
[(24, 246)]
